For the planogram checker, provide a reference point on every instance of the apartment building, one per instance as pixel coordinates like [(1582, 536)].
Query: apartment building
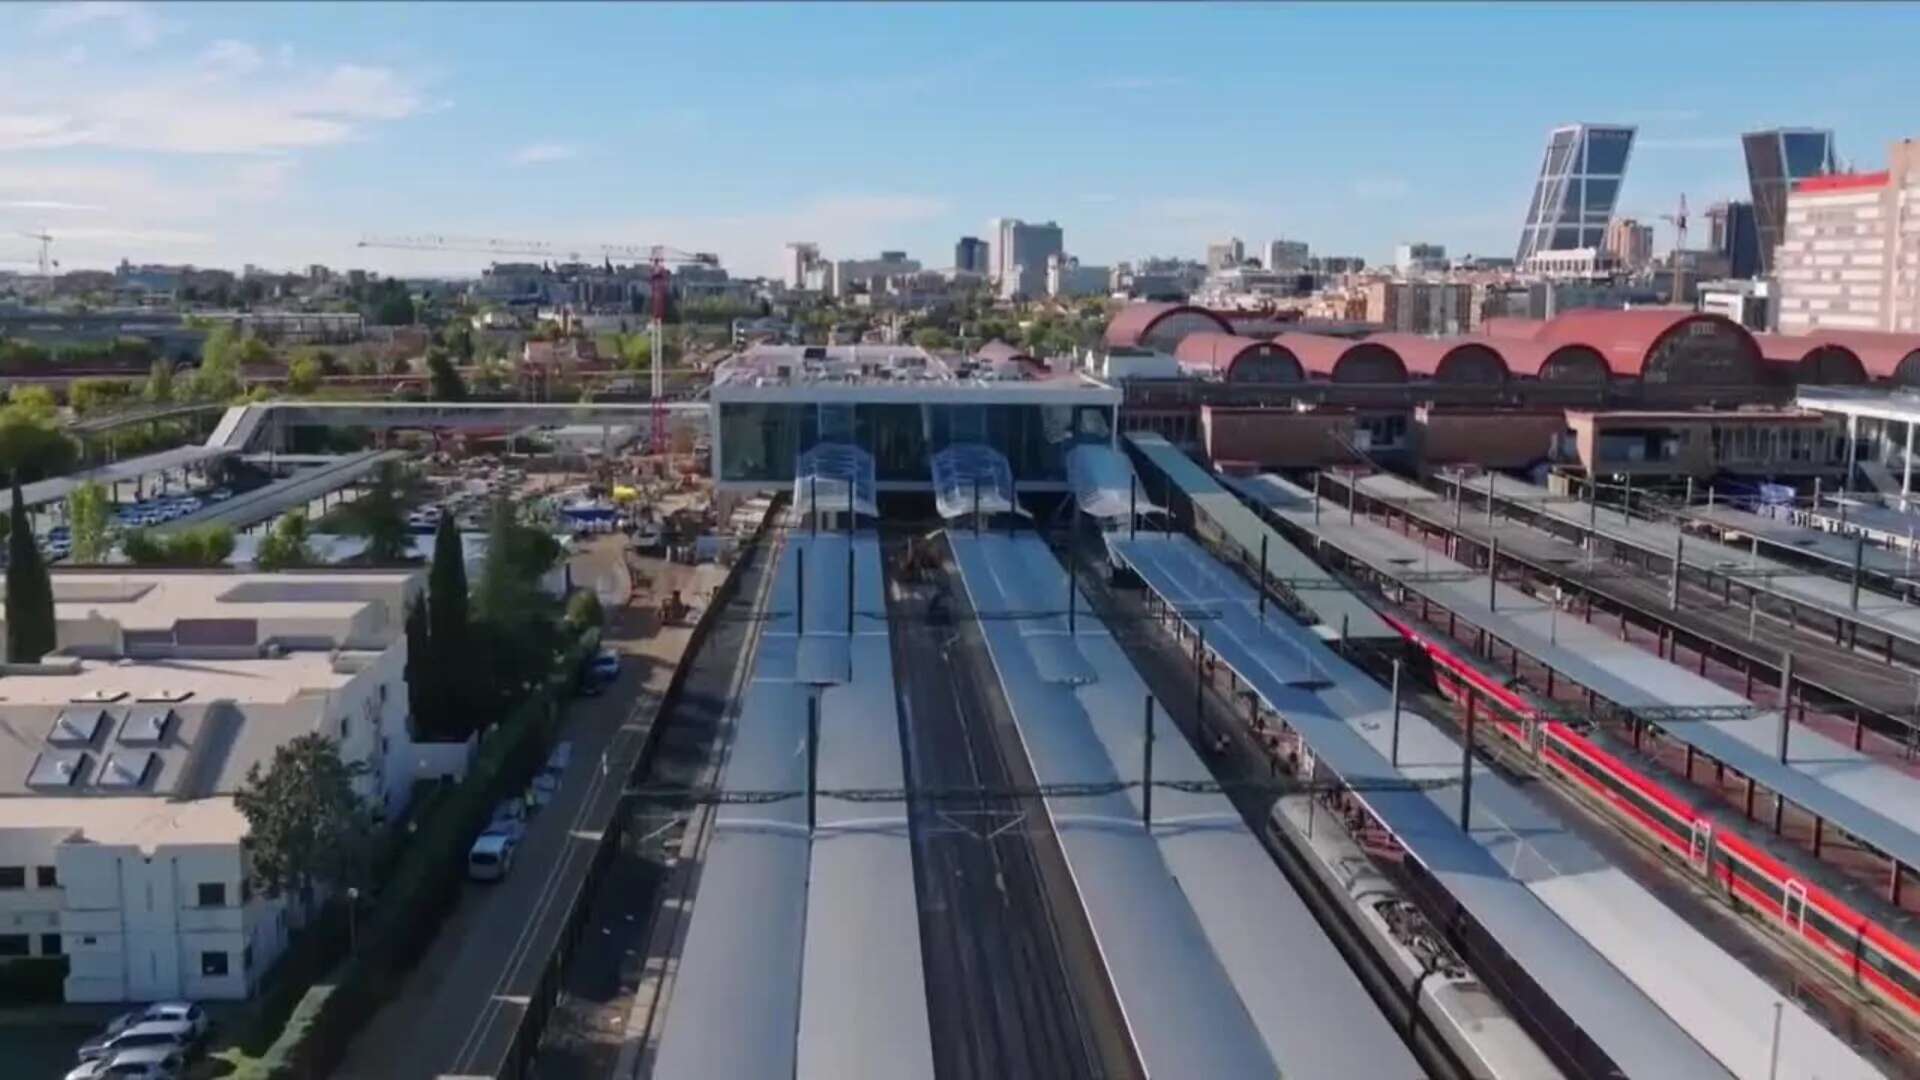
[(1850, 255), (120, 844)]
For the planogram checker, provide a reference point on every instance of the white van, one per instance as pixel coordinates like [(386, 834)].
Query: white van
[(490, 857)]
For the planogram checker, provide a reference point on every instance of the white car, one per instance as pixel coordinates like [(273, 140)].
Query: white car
[(144, 1063), (185, 1011), (171, 1034), (490, 857), (509, 820)]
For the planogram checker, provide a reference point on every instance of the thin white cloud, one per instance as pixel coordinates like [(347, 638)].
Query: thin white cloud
[(544, 153), (137, 23), (229, 56), (254, 112), (47, 204)]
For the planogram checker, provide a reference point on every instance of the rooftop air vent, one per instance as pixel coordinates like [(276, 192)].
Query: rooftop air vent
[(77, 727), (99, 695), (57, 769), (146, 726), (126, 769), (165, 694)]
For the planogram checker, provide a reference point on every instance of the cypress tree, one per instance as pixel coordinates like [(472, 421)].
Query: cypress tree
[(448, 638), (420, 697), (30, 633)]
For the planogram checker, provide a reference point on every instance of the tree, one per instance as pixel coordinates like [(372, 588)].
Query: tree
[(285, 548), (447, 588), (379, 517), (303, 375), (584, 610), (32, 446), (159, 388), (514, 632), (457, 336), (87, 517), (198, 545), (932, 337), (443, 377), (90, 396), (306, 826), (29, 604), (219, 376), (392, 306), (423, 680)]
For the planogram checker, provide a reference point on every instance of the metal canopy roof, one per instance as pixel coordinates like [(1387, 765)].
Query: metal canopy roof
[(1875, 802), (840, 475), (1601, 974), (1826, 595), (1329, 602), (180, 457), (1219, 967), (969, 477)]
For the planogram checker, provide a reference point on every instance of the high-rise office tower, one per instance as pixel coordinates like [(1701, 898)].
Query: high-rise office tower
[(970, 255), (801, 257), (1776, 160), (1579, 184), (1020, 255)]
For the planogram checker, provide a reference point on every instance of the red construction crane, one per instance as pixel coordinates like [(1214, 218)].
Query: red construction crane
[(659, 280)]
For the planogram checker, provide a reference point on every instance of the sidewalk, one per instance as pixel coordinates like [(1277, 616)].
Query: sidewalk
[(461, 1004)]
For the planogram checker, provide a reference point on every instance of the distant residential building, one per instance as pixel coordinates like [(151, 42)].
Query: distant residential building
[(1285, 255), (1419, 258), (1850, 257), (856, 275), (1421, 307), (1744, 301), (1574, 263), (1777, 159), (1226, 255), (1578, 186), (1020, 254), (970, 255), (1067, 279), (1630, 243), (802, 257), (1336, 264)]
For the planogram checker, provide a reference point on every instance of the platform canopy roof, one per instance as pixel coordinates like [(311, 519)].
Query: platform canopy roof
[(840, 476), (969, 477), (1103, 483)]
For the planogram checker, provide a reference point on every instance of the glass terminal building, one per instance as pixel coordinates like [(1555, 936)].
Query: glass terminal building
[(771, 404), (1579, 184), (1776, 160)]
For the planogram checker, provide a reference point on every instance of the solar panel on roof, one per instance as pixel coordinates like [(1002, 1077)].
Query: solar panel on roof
[(126, 769), (76, 727), (57, 769)]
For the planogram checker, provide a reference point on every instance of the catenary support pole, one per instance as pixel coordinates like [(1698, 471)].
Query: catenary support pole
[(1146, 768), (813, 756), (1393, 744), (800, 591), (1786, 702), (1263, 579), (849, 587)]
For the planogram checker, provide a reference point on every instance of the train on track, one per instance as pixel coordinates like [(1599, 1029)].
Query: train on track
[(1845, 941)]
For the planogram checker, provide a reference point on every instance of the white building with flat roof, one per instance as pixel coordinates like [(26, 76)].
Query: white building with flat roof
[(120, 754)]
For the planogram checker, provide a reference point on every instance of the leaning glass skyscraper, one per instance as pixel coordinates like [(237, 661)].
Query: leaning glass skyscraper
[(1579, 184), (1776, 159)]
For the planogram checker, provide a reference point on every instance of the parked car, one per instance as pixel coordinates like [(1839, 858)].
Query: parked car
[(509, 820), (490, 857), (145, 1063), (180, 1010), (175, 1034)]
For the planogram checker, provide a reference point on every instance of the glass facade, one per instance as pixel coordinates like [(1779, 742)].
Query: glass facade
[(1579, 184), (760, 442), (1776, 159)]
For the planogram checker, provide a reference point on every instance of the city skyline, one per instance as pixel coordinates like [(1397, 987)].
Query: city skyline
[(201, 135)]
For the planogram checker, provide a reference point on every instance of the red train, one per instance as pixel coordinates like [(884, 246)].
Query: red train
[(1848, 942)]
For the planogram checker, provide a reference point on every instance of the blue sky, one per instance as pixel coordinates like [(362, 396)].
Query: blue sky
[(279, 134)]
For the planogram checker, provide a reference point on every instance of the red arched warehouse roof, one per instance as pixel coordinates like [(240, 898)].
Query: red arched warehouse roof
[(1345, 361), (1662, 344), (1883, 355), (1237, 359), (1452, 359), (1551, 363), (1149, 324), (1811, 360), (1509, 326)]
